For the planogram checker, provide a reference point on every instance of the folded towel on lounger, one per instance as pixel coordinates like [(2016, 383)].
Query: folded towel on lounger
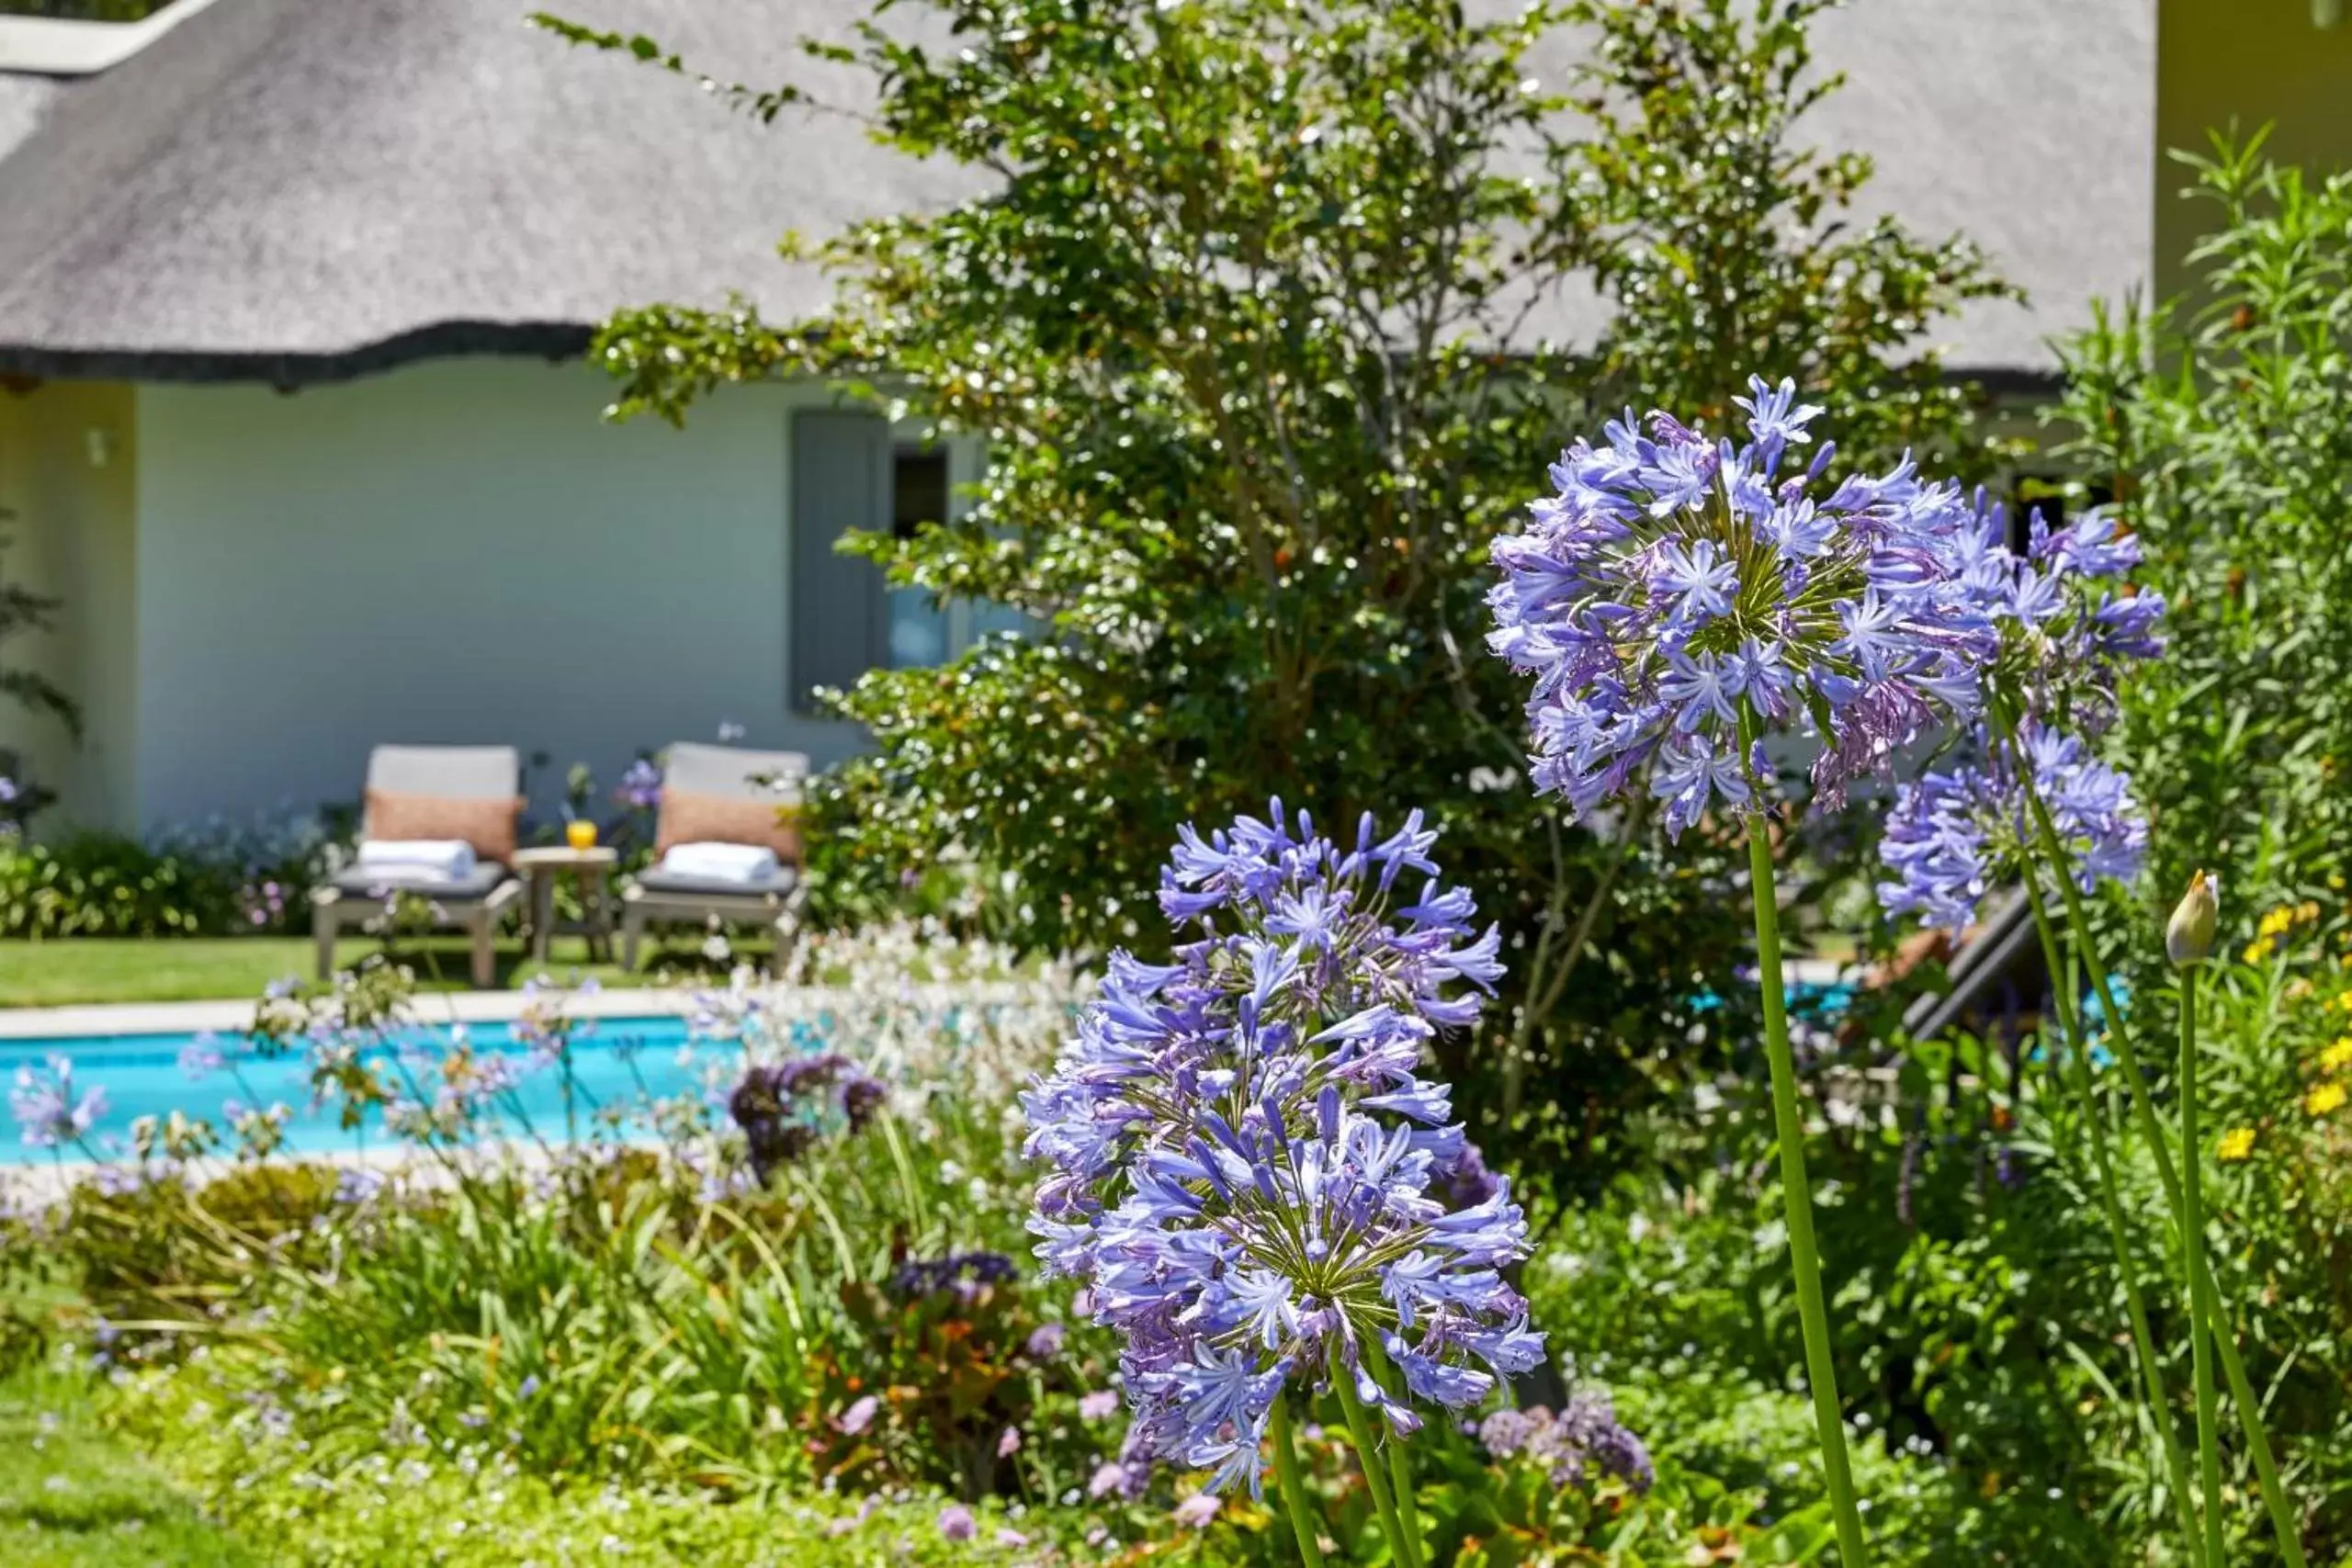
[(417, 859), (750, 864)]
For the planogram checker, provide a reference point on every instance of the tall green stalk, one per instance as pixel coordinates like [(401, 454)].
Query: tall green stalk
[(1294, 1489), (2143, 1339), (1796, 1186), (2152, 1129), (1400, 1467), (2192, 1245), (1359, 1433)]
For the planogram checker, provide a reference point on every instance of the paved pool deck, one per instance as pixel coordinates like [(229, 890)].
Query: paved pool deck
[(460, 1007), (487, 1007)]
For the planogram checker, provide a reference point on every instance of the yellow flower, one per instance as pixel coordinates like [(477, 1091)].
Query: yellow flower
[(2236, 1143), (2327, 1097), (2336, 1057), (2257, 951), (2279, 920)]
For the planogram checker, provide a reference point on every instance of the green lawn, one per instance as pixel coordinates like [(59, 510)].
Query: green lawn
[(72, 1495), (103, 969)]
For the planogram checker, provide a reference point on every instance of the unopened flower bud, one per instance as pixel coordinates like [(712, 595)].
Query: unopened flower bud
[(2189, 936)]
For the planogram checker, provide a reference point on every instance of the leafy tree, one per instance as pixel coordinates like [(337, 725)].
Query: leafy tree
[(1253, 319)]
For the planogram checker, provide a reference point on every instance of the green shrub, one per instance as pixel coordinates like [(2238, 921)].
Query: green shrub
[(2221, 426), (168, 1251), (110, 884), (211, 883)]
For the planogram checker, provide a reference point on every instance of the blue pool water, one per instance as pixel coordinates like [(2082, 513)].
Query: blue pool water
[(620, 1063)]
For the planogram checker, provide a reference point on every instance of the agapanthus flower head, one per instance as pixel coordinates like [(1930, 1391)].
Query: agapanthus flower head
[(203, 1055), (1467, 1183), (785, 1107), (1245, 1161), (47, 1108), (1583, 1436), (961, 1273), (1676, 587), (2066, 625), (1955, 832), (640, 786), (357, 1184)]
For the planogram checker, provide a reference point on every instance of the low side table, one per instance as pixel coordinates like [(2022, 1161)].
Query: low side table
[(590, 869)]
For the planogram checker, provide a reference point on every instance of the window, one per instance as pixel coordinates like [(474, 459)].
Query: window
[(917, 626), (2056, 496), (847, 473)]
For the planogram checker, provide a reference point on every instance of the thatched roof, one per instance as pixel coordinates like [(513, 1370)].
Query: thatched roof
[(296, 190), (293, 190)]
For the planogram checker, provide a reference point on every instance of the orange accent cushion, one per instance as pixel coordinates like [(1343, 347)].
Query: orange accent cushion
[(487, 824), (691, 819)]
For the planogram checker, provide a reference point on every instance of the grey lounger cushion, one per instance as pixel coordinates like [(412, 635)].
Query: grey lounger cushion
[(353, 882), (656, 881)]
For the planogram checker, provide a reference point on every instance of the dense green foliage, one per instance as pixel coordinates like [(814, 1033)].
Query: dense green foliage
[(642, 1344), (98, 883), (2221, 424), (1245, 320), (1252, 319), (1977, 1306)]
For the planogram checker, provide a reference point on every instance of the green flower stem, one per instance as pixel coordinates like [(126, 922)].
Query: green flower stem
[(2143, 1339), (2201, 1282), (1400, 1467), (1294, 1485), (1359, 1433), (1796, 1187), (2144, 1109)]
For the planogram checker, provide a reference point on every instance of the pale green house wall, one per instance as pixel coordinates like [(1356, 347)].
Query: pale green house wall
[(2251, 62), (68, 461), (458, 551)]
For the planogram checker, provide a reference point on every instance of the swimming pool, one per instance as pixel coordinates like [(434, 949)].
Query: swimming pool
[(615, 1061)]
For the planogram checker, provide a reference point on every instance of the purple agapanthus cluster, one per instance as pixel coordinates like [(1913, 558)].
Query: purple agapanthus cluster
[(1675, 584), (2067, 630), (443, 1094), (546, 1027), (2066, 624), (784, 1108), (49, 1109), (1955, 832), (205, 1055), (1246, 1162), (1584, 1435), (640, 786), (961, 1272)]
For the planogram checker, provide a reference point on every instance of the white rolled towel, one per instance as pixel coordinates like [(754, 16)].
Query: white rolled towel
[(746, 863), (417, 859)]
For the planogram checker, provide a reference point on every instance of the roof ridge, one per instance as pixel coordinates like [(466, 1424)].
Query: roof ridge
[(61, 46)]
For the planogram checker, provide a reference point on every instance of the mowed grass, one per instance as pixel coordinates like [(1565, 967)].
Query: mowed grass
[(72, 1495), (177, 969)]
